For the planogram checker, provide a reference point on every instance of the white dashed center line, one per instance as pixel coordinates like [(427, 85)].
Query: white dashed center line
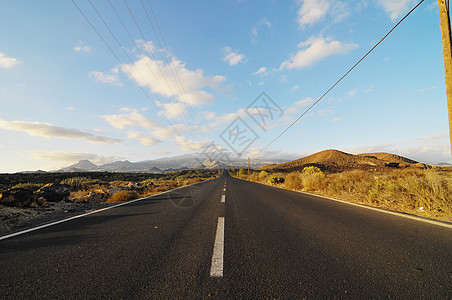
[(223, 198), (216, 270)]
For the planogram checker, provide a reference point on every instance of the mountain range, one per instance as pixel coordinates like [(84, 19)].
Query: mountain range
[(331, 160), (166, 164)]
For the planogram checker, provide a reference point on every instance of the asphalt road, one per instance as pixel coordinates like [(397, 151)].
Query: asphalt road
[(277, 244)]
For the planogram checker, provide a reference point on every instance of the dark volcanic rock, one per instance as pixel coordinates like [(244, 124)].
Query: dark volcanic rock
[(54, 192), (17, 197)]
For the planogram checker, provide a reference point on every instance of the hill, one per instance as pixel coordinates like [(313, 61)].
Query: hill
[(338, 161), (82, 165)]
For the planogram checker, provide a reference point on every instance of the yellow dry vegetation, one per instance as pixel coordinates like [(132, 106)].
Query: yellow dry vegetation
[(123, 196), (423, 192)]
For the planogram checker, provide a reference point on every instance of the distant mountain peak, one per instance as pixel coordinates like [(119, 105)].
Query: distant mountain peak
[(82, 165), (165, 164)]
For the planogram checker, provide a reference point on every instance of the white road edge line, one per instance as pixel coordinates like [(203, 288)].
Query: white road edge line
[(390, 212), (93, 212), (223, 198), (216, 270)]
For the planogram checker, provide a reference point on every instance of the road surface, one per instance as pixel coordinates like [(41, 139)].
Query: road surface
[(230, 239)]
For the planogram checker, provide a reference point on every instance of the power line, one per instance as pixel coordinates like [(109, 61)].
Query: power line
[(120, 62), (146, 62), (337, 82), (137, 47), (172, 69), (122, 48), (152, 54), (170, 63)]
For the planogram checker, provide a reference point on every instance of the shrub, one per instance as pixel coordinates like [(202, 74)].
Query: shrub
[(312, 181), (274, 180), (241, 172), (119, 183), (74, 182), (271, 180), (254, 176), (29, 186), (123, 196), (428, 189), (263, 175), (294, 181), (311, 170)]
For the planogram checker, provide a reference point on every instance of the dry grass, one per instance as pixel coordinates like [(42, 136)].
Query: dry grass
[(123, 196), (422, 192)]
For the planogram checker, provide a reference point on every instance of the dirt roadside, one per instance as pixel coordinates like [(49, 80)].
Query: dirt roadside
[(14, 219)]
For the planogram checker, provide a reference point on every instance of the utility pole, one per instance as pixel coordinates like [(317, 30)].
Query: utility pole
[(249, 165), (444, 16)]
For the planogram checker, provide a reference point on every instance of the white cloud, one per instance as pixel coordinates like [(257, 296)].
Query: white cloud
[(304, 102), (340, 11), (47, 130), (232, 58), (158, 77), (294, 88), (369, 90), (71, 157), (186, 144), (106, 78), (220, 121), (131, 118), (160, 153), (144, 140), (147, 46), (336, 119), (395, 8), (362, 4), (312, 11), (217, 120), (271, 154), (165, 132), (8, 62), (255, 30), (262, 71), (352, 92), (427, 149), (80, 48), (314, 50), (295, 109), (427, 89), (172, 110), (292, 110)]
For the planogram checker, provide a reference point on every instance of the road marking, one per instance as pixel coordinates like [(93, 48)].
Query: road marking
[(223, 198), (224, 190), (95, 211), (390, 212), (216, 270)]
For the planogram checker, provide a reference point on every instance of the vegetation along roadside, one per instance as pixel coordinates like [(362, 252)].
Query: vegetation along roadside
[(31, 199), (422, 192)]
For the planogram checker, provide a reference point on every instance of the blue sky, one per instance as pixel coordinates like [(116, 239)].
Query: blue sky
[(175, 86)]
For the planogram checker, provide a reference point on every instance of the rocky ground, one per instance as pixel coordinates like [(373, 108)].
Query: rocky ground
[(13, 219), (26, 201)]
